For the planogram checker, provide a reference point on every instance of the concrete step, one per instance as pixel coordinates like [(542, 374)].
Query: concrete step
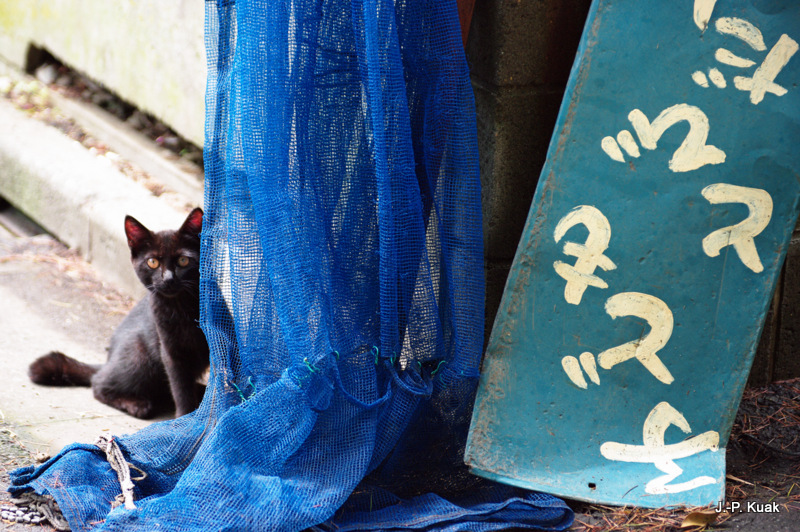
[(82, 198)]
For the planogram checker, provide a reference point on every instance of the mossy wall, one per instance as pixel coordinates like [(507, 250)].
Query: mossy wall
[(150, 53)]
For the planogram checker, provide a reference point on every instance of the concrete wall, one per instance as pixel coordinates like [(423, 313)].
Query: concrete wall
[(520, 55), (777, 356), (149, 52)]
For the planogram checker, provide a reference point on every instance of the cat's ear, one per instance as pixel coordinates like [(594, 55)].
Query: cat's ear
[(137, 233), (193, 223)]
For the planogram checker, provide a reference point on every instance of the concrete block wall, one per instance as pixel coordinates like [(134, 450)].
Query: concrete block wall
[(151, 53), (778, 354), (520, 56)]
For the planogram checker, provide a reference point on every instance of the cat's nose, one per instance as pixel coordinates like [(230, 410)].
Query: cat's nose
[(167, 275)]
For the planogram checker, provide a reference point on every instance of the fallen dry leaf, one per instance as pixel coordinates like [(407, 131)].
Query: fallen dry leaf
[(699, 518)]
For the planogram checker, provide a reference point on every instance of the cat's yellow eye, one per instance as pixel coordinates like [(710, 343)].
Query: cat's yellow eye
[(152, 262), (183, 261)]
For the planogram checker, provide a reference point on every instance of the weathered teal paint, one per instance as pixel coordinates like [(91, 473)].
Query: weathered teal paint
[(559, 409)]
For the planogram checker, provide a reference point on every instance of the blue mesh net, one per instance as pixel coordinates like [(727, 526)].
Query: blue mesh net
[(342, 290)]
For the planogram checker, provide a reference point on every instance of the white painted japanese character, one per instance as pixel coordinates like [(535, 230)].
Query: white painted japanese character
[(741, 235), (572, 367), (661, 455), (589, 254), (763, 79), (658, 317), (702, 12), (692, 154)]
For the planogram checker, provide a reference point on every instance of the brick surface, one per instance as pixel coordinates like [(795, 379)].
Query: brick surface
[(787, 362), (496, 275), (513, 43), (514, 129), (764, 361)]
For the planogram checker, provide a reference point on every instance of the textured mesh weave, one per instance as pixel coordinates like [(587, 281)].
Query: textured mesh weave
[(342, 290)]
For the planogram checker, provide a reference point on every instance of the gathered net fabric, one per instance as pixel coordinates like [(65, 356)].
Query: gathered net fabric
[(341, 290)]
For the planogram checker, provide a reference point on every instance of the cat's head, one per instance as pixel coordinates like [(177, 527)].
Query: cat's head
[(167, 262)]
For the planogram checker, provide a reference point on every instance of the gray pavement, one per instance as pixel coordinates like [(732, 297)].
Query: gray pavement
[(51, 298)]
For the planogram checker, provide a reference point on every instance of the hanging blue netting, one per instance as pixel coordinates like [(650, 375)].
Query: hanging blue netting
[(342, 290)]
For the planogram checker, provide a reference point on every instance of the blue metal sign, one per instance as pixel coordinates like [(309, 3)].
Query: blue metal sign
[(661, 219)]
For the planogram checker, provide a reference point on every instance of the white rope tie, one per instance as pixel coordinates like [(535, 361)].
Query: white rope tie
[(123, 469)]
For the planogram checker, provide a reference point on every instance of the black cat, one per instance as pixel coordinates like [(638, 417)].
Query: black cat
[(158, 351)]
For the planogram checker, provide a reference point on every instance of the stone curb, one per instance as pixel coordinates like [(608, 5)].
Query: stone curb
[(78, 197)]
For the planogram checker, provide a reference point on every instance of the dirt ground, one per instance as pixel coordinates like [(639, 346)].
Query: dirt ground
[(12, 455), (763, 475)]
